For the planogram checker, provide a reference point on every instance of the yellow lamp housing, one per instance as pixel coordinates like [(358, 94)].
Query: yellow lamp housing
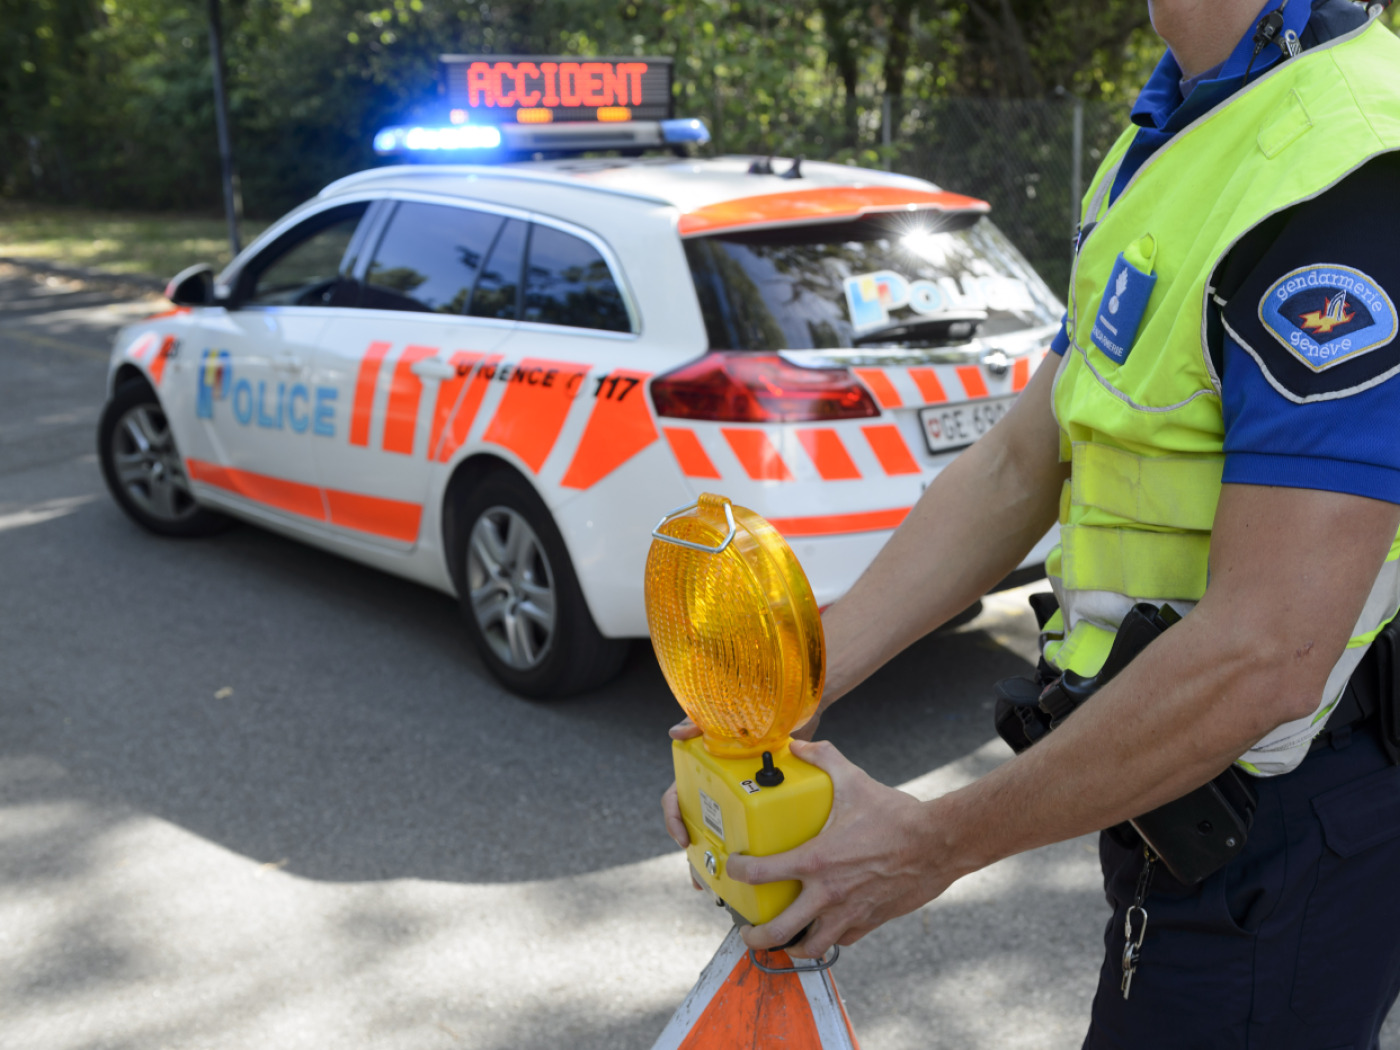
[(727, 811), (739, 638)]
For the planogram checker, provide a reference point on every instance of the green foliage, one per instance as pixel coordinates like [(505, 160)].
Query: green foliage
[(109, 103)]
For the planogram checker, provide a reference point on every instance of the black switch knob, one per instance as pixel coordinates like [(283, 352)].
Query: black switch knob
[(770, 776)]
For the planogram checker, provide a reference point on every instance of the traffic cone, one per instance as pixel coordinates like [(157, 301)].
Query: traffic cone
[(735, 1004)]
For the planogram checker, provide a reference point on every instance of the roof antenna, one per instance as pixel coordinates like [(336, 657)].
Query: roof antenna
[(794, 172), (761, 166)]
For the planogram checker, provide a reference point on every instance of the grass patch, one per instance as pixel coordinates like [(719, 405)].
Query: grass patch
[(156, 245)]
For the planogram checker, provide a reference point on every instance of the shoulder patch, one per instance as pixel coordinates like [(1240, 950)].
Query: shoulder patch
[(1326, 315)]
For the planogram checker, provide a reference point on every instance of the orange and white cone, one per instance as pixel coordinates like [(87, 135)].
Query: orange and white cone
[(735, 1004)]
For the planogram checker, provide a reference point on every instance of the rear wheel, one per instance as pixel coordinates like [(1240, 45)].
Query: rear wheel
[(523, 605), (143, 468)]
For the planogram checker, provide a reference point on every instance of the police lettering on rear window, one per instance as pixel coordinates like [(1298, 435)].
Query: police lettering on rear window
[(824, 288)]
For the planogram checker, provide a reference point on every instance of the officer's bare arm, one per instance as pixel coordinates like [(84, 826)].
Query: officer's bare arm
[(1290, 571), (971, 527)]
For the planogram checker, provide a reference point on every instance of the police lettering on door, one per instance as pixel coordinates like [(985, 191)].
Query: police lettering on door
[(281, 406)]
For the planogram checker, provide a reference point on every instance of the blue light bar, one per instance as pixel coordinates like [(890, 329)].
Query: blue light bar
[(413, 139), (686, 129)]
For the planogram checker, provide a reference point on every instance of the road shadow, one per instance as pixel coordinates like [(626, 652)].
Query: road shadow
[(292, 706)]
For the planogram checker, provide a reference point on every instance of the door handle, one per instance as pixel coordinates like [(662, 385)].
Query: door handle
[(433, 368), (287, 363)]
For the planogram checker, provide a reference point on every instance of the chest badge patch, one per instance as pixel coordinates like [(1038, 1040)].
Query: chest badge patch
[(1125, 301), (1326, 314)]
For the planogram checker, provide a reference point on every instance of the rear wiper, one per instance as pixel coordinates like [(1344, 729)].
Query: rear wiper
[(945, 326)]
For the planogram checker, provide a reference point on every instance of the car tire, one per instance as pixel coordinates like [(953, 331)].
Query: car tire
[(522, 602), (143, 468)]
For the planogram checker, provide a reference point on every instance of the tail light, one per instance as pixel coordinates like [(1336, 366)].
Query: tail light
[(741, 387)]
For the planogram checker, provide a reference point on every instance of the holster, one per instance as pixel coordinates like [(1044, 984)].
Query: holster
[(1373, 693), (1195, 835)]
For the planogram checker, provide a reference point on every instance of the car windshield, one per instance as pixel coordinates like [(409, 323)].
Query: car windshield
[(827, 287)]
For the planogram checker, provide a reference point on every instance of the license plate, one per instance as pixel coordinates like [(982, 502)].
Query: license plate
[(956, 426)]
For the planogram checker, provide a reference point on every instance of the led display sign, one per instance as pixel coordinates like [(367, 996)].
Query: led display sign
[(543, 89)]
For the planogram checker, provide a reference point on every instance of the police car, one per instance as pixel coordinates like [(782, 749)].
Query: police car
[(494, 378)]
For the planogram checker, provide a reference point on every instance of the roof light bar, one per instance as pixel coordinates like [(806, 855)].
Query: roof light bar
[(415, 139), (538, 132), (685, 129)]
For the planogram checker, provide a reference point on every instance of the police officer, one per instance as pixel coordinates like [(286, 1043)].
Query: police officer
[(1218, 432)]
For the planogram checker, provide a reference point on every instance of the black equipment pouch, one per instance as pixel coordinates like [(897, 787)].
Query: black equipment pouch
[(1387, 644), (1194, 835), (1375, 691)]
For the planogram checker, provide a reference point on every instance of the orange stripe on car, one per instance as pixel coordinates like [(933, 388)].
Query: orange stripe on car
[(757, 454), (178, 311), (972, 381), (532, 411), (157, 365), (138, 349), (930, 388), (837, 524), (619, 427), (460, 425), (293, 496), (1020, 374), (391, 518), (822, 204), (405, 395), (880, 386), (829, 454), (888, 445), (365, 383), (448, 395), (690, 454)]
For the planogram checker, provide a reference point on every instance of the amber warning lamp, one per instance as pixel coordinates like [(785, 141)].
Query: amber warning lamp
[(739, 638)]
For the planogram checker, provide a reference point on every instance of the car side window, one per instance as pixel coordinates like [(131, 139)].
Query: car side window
[(567, 282), (306, 265), (429, 259), (498, 289)]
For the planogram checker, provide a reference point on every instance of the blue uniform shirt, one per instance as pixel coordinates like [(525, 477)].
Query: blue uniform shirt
[(1305, 344)]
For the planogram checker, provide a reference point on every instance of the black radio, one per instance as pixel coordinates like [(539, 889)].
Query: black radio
[(1195, 835)]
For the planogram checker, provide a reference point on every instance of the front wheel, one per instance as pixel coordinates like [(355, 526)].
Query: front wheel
[(523, 605), (143, 468)]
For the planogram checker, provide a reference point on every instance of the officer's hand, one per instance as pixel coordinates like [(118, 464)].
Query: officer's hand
[(873, 861), (808, 729), (670, 805)]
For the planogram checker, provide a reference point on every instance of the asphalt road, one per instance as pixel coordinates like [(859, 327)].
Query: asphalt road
[(255, 795)]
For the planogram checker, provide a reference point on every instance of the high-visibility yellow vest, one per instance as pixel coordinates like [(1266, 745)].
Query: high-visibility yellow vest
[(1144, 436)]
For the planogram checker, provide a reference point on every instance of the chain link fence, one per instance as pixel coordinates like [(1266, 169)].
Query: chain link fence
[(1030, 159)]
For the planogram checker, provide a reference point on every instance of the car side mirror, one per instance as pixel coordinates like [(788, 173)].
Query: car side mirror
[(192, 286)]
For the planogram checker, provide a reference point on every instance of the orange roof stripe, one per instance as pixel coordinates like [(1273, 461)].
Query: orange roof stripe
[(822, 204)]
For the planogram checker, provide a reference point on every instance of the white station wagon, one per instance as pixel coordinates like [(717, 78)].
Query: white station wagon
[(495, 379)]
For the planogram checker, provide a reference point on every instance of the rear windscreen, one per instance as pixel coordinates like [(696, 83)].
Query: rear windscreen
[(804, 288)]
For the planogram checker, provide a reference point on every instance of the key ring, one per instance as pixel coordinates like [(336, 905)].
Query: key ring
[(1128, 926)]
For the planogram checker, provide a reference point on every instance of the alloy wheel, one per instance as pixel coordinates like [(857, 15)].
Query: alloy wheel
[(511, 588), (148, 466)]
